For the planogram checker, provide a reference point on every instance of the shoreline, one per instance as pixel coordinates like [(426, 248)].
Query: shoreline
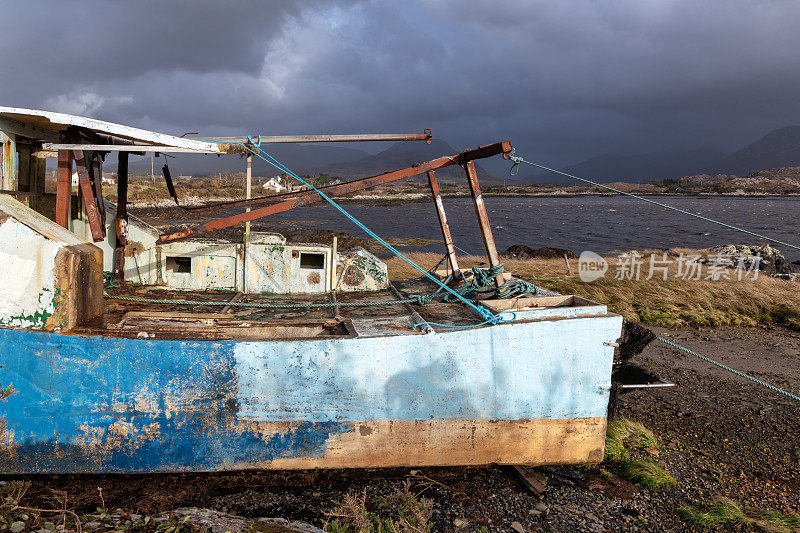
[(422, 198)]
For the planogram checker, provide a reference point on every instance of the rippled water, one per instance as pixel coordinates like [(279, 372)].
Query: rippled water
[(600, 224)]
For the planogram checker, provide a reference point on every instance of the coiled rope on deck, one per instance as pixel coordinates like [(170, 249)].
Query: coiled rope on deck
[(729, 369)]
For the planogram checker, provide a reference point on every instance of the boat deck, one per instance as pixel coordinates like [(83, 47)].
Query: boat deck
[(292, 318)]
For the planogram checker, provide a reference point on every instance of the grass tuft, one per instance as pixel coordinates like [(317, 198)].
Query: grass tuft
[(779, 520), (649, 475), (408, 513), (722, 512), (725, 512), (623, 434)]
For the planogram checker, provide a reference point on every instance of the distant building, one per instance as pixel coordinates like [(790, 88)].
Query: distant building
[(274, 185), (108, 179)]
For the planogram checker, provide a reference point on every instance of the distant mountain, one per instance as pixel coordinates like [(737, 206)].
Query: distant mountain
[(639, 168), (401, 155), (779, 148)]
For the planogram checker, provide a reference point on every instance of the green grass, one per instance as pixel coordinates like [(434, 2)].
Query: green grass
[(722, 512), (726, 512), (401, 512), (648, 474), (779, 520), (623, 434), (672, 303), (624, 440)]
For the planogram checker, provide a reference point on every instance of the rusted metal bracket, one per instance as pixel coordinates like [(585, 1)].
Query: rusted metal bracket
[(448, 239), (483, 219), (303, 198), (92, 214)]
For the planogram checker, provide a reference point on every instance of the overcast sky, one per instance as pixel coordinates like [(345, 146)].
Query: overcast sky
[(564, 81)]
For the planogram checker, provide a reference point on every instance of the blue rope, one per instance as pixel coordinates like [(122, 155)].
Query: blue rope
[(517, 160), (484, 313), (514, 317), (729, 369)]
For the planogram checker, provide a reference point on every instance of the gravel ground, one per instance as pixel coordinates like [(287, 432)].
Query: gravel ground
[(722, 436)]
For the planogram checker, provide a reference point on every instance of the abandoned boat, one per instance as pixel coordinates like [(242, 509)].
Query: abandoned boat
[(197, 353)]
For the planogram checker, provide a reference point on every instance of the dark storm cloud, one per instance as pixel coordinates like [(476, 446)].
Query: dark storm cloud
[(564, 80)]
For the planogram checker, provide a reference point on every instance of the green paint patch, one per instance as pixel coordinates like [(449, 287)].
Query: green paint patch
[(48, 303)]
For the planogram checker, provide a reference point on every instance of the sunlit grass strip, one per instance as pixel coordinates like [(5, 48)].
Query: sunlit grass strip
[(671, 303)]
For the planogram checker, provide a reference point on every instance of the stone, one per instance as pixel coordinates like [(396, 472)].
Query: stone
[(520, 251), (219, 522), (516, 526), (460, 522), (541, 507), (17, 527)]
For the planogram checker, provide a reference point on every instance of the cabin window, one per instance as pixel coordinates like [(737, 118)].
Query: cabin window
[(179, 265), (312, 260)]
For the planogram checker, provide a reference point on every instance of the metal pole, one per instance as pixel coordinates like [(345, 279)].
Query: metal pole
[(448, 239), (248, 195), (483, 219)]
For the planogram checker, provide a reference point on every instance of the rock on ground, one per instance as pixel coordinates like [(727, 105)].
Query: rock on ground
[(520, 251), (218, 522), (764, 257)]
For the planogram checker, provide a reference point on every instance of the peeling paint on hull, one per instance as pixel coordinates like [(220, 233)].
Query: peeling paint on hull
[(527, 392)]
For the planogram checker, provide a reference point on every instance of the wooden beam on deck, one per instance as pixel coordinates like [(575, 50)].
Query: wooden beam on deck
[(483, 219), (92, 214), (64, 188)]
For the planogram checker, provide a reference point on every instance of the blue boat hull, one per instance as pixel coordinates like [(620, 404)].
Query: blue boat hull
[(532, 392)]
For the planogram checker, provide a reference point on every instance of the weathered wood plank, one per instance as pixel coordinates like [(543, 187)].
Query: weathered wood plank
[(95, 224), (64, 188)]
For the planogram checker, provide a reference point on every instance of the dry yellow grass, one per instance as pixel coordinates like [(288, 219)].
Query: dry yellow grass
[(671, 303)]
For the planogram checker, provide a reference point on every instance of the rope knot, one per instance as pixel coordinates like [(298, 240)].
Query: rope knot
[(516, 159)]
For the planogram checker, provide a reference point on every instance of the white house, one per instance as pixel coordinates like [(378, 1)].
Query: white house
[(274, 185)]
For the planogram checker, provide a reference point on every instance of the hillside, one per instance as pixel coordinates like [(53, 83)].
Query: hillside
[(779, 148), (639, 168)]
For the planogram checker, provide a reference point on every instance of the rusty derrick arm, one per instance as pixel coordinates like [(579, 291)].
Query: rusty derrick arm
[(309, 197)]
